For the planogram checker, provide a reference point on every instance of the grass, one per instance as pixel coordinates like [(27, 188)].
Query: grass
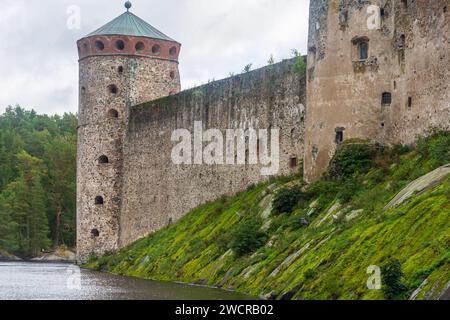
[(327, 260)]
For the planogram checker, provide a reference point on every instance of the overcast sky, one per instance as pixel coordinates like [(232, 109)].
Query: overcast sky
[(38, 55)]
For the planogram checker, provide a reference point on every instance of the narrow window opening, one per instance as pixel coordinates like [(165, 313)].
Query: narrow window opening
[(120, 45), (120, 69), (103, 160), (95, 233), (382, 124), (83, 90), (386, 98), (113, 113), (113, 89), (409, 102), (172, 74), (445, 9), (293, 163), (99, 200), (173, 51), (363, 50), (404, 4), (339, 136), (382, 13)]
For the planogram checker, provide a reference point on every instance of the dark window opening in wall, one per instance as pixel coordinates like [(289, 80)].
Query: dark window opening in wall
[(103, 160), (83, 90), (95, 233), (120, 45), (99, 200), (140, 46), (404, 4), (363, 50), (402, 43), (173, 51), (156, 49), (382, 13), (386, 99), (339, 136), (258, 146), (395, 85), (100, 46), (113, 89), (172, 74), (382, 124), (120, 69), (293, 163), (409, 102), (113, 113), (445, 9)]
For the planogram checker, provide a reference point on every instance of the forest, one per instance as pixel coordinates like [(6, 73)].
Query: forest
[(37, 181)]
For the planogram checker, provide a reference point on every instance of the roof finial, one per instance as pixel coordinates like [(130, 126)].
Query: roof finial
[(128, 5)]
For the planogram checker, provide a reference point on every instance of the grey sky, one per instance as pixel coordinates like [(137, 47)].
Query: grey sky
[(38, 56)]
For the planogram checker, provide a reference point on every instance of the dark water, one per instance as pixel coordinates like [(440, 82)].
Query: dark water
[(52, 281)]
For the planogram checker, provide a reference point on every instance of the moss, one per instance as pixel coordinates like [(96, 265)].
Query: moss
[(329, 261)]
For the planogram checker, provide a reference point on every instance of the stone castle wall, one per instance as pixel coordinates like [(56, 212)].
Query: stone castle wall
[(157, 192), (408, 58)]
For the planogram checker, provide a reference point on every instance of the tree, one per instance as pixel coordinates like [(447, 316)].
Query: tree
[(26, 199), (61, 157), (37, 180), (391, 275)]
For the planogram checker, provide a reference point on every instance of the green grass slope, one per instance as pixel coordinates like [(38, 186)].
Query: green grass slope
[(316, 241)]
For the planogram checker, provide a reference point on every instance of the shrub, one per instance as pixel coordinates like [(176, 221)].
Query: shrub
[(286, 200), (351, 158), (300, 65), (391, 274), (436, 147), (348, 190), (247, 238)]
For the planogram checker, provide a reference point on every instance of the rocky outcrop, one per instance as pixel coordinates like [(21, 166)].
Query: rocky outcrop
[(420, 185), (60, 255), (5, 256)]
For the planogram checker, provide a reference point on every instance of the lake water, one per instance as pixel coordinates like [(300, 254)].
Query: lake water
[(53, 281)]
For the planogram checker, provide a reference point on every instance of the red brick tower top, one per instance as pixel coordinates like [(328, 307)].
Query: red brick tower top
[(129, 35)]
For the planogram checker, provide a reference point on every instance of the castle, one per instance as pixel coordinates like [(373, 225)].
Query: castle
[(376, 70)]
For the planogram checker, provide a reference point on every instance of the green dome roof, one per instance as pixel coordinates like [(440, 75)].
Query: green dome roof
[(129, 24)]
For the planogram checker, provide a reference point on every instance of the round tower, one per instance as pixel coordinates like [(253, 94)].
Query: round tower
[(124, 63)]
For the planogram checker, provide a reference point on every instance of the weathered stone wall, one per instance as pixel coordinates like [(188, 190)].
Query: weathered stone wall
[(157, 192), (408, 57), (103, 116)]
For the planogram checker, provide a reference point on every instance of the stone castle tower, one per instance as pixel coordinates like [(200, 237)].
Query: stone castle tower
[(124, 63), (377, 70)]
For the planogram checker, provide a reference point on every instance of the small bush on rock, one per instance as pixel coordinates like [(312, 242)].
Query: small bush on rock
[(247, 238), (286, 200)]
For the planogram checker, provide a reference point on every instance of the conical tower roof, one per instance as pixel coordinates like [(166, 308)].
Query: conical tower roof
[(128, 24)]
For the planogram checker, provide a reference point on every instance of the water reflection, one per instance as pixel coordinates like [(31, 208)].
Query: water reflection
[(52, 281)]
